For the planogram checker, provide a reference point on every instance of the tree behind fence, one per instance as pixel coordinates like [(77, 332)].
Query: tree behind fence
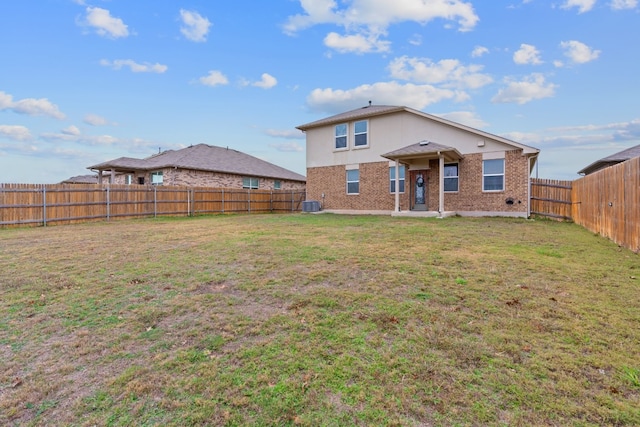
[(32, 204)]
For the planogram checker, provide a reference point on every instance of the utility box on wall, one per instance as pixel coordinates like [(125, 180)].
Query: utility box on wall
[(310, 206)]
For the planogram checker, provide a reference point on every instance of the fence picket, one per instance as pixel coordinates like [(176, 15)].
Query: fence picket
[(37, 204)]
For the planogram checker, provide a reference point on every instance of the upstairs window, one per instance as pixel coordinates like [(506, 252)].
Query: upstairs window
[(493, 175), (353, 181), (451, 177), (360, 134), (341, 136), (392, 179), (250, 183), (156, 178)]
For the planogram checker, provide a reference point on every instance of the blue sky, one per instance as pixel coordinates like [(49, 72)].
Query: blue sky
[(85, 81)]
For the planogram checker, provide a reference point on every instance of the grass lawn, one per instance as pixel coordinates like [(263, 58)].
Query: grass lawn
[(318, 320)]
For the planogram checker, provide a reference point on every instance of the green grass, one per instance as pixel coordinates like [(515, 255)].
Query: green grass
[(318, 320)]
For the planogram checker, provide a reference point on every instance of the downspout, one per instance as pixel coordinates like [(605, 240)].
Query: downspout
[(397, 178), (441, 189)]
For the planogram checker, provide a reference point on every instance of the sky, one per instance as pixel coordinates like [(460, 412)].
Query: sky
[(86, 81)]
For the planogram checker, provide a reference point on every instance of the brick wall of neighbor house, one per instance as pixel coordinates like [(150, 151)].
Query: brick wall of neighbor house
[(470, 196), (194, 178), (374, 188)]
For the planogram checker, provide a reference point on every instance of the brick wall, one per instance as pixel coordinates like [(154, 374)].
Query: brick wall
[(194, 178), (470, 196), (374, 187)]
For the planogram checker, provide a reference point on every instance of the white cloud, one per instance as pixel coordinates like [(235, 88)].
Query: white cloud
[(392, 93), (195, 27), (105, 24), (579, 53), (447, 72), (467, 118), (624, 4), (287, 147), (287, 134), (357, 43), (95, 120), (267, 81), (530, 88), (582, 5), (416, 40), (478, 51), (71, 130), (381, 13), (527, 54), (366, 21), (214, 78), (135, 67), (30, 106), (14, 132)]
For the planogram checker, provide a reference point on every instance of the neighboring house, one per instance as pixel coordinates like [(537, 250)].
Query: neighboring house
[(611, 160), (391, 158), (201, 165)]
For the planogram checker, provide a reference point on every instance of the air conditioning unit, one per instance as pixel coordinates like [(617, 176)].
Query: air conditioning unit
[(310, 206)]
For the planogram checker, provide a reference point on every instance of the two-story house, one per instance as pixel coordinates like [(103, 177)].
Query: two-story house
[(397, 159)]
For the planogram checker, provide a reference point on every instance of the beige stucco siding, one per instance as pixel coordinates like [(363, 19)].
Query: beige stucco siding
[(391, 132)]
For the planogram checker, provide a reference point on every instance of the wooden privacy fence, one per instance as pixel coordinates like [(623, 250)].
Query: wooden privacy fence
[(607, 202), (31, 204), (551, 197)]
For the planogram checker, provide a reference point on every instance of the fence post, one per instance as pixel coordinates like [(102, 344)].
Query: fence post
[(249, 200), (108, 203), (223, 200), (292, 204), (44, 206), (155, 201)]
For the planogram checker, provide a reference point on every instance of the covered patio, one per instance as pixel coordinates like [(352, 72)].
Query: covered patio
[(416, 157)]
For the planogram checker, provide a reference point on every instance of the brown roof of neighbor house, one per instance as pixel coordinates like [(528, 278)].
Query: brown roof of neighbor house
[(611, 160), (377, 110), (203, 157), (423, 149)]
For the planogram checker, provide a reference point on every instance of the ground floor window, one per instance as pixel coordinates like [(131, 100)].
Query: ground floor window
[(493, 175), (277, 185), (451, 177), (250, 183), (128, 179), (353, 181), (156, 178), (392, 179)]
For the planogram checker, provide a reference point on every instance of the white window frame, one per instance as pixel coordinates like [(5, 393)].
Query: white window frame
[(356, 134), (401, 178), (250, 183), (456, 177), (353, 181), (128, 179), (345, 136), (157, 178), (487, 175)]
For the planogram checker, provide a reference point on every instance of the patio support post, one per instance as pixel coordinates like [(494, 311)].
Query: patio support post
[(441, 185), (397, 186), (112, 179)]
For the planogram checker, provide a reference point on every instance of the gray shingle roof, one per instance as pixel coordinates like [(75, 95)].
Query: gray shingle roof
[(204, 157), (423, 148), (371, 110), (611, 160)]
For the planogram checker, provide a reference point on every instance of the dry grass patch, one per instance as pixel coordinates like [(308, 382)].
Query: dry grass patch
[(318, 320)]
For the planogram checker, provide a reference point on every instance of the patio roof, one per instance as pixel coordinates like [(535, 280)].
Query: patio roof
[(424, 150)]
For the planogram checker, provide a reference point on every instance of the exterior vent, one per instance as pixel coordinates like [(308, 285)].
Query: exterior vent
[(425, 142), (310, 206)]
